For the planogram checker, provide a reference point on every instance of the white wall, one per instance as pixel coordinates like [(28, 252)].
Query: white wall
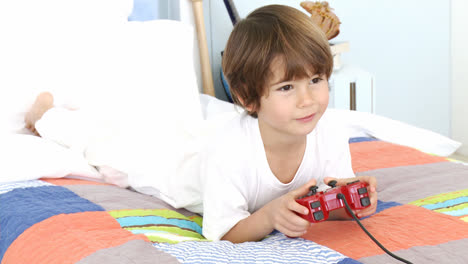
[(405, 44), (460, 73)]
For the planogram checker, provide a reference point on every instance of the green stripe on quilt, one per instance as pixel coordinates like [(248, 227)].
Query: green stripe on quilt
[(160, 225), (197, 219), (147, 212), (167, 229), (452, 203), (171, 238), (440, 198)]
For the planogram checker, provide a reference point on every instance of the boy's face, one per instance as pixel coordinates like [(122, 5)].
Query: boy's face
[(292, 107)]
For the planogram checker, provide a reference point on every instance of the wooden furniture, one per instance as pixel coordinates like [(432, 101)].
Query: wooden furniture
[(352, 88), (208, 87)]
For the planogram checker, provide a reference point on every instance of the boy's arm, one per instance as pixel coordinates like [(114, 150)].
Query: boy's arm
[(253, 228), (279, 214)]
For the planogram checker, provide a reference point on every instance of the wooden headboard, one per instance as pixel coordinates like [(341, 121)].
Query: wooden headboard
[(207, 78)]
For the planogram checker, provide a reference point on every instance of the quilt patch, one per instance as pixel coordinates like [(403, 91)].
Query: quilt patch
[(371, 155), (277, 248), (67, 238), (160, 225), (453, 203), (397, 228), (6, 187), (23, 207)]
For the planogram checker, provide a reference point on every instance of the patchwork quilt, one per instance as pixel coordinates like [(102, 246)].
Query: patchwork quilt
[(422, 216)]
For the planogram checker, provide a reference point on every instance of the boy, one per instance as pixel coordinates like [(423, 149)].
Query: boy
[(277, 63)]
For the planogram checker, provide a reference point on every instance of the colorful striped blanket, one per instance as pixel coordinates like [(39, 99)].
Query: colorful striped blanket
[(422, 216)]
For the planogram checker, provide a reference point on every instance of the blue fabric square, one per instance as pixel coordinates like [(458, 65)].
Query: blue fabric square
[(22, 208), (361, 139)]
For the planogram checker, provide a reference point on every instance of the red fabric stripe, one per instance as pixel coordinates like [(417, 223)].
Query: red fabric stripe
[(68, 181)]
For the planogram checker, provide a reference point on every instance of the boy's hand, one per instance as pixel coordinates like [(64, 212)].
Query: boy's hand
[(372, 189), (282, 212)]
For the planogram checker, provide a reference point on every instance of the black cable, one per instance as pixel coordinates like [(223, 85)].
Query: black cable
[(342, 197)]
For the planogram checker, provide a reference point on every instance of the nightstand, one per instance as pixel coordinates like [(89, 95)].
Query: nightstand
[(352, 88)]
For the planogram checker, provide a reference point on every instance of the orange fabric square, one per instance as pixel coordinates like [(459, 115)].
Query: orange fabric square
[(67, 238), (373, 155), (396, 228)]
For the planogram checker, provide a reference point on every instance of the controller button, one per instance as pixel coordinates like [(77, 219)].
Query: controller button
[(365, 201), (313, 190), (332, 183), (315, 204), (362, 190), (318, 216)]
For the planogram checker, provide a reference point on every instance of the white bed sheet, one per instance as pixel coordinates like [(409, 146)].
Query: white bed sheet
[(28, 157)]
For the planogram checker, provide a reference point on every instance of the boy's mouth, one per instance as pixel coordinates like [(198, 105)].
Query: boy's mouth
[(306, 118)]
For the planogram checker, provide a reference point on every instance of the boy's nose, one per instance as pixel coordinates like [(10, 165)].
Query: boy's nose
[(305, 98)]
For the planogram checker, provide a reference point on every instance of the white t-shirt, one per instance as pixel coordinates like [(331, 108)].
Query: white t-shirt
[(236, 179)]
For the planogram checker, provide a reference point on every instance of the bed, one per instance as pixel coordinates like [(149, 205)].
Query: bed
[(421, 217), (56, 208)]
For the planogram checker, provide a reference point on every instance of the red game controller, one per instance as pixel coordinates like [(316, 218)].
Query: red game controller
[(320, 204)]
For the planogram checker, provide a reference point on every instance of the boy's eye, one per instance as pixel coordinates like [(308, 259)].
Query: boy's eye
[(316, 80), (285, 88)]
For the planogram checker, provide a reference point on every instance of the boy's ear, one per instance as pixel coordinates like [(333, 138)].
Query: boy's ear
[(249, 108)]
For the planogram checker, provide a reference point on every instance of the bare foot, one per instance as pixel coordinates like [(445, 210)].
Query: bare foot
[(44, 101)]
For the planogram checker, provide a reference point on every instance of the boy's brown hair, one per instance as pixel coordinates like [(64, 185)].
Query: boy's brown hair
[(266, 33)]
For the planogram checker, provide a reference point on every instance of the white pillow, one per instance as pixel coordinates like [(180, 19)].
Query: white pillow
[(26, 157), (47, 45), (148, 66), (139, 99), (383, 128), (212, 106)]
